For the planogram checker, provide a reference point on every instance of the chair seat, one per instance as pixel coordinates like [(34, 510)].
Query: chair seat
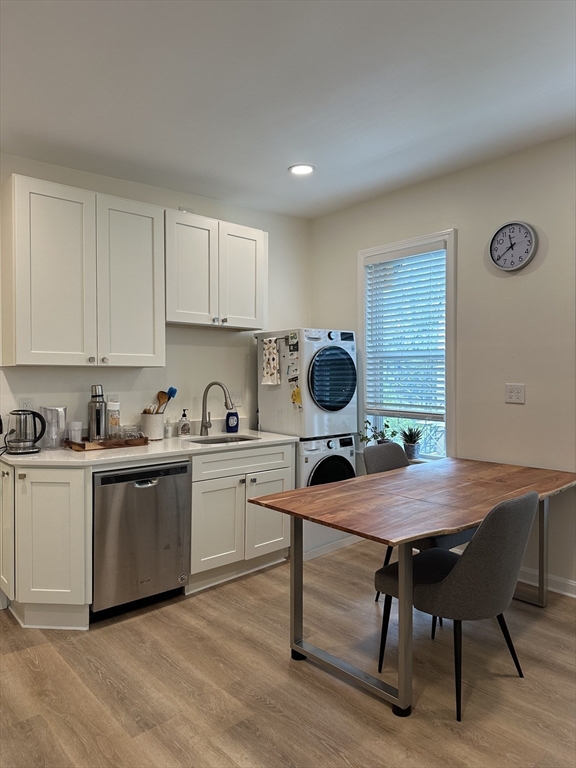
[(428, 567)]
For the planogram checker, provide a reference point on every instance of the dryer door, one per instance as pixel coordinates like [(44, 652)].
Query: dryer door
[(332, 378), (330, 470)]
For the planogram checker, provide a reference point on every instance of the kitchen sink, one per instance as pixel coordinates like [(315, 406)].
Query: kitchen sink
[(224, 439)]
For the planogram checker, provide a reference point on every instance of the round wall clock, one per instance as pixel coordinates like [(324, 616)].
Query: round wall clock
[(513, 246)]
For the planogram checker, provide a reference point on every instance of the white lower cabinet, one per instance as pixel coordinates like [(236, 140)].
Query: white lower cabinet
[(50, 536), (226, 527), (266, 530), (217, 523), (7, 530)]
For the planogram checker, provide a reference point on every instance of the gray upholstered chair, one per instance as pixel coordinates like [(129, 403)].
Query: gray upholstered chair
[(382, 458), (386, 456), (479, 584)]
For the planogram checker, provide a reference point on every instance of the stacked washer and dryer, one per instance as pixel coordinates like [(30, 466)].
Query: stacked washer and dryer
[(313, 398)]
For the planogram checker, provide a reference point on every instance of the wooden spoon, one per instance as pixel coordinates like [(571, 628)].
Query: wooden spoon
[(163, 398)]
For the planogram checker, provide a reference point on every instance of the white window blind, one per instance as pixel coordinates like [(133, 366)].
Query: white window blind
[(406, 336)]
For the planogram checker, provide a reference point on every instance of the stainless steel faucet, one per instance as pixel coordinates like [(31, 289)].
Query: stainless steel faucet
[(206, 423)]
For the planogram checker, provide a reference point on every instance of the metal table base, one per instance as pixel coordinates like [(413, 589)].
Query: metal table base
[(401, 697)]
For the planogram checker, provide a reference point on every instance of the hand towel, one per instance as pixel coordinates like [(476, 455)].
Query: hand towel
[(270, 363)]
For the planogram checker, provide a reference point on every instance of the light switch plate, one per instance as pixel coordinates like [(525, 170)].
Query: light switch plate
[(515, 393), (236, 398)]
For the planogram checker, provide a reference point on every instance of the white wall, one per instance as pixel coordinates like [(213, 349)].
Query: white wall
[(516, 327), (194, 356)]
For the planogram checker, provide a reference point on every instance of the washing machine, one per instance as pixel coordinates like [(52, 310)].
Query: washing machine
[(318, 462), (312, 393)]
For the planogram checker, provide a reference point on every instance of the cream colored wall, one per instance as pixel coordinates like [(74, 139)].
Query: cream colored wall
[(194, 356), (510, 327)]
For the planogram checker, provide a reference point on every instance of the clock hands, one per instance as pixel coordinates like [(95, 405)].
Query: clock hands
[(510, 247)]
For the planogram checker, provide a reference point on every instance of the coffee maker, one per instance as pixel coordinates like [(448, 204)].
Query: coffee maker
[(22, 435)]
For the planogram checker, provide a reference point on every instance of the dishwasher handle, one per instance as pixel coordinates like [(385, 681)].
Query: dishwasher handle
[(146, 483)]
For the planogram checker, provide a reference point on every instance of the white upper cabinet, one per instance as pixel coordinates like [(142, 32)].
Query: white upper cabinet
[(82, 277), (48, 274), (130, 259), (216, 272), (191, 268)]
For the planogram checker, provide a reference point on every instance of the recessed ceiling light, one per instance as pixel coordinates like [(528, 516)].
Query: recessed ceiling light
[(302, 169)]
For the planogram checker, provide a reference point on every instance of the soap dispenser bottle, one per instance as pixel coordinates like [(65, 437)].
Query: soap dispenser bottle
[(184, 424), (232, 421)]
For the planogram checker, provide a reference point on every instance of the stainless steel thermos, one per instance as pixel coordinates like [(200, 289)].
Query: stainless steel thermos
[(97, 414)]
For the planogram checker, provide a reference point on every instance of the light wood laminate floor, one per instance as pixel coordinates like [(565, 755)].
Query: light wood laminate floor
[(207, 681)]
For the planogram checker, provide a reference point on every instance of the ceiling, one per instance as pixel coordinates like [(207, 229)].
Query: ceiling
[(218, 97)]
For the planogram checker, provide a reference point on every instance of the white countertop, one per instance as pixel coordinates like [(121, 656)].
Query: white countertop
[(161, 450)]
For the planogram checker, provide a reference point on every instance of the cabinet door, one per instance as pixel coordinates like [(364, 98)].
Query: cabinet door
[(55, 274), (191, 269), (217, 522), (266, 529), (243, 276), (50, 542), (131, 321), (7, 530)]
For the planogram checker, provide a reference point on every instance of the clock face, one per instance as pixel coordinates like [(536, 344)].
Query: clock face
[(513, 246)]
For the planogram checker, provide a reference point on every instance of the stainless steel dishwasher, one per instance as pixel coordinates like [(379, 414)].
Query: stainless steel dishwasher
[(142, 520)]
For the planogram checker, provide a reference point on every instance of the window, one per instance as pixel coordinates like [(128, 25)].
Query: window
[(407, 319)]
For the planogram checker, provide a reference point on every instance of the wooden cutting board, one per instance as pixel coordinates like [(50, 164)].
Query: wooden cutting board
[(128, 442)]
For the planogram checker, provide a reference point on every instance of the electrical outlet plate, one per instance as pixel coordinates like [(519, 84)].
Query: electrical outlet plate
[(26, 403), (236, 398), (515, 393)]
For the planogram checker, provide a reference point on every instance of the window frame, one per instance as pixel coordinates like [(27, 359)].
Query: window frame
[(446, 240)]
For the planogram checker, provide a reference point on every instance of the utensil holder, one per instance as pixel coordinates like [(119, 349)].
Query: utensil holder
[(152, 424)]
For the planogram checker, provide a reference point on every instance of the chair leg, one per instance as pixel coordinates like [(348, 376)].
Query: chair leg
[(387, 556), (458, 667), (386, 562), (433, 627), (384, 633), (440, 621), (509, 643)]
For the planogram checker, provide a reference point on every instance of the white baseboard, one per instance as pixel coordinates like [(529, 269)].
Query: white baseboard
[(555, 583)]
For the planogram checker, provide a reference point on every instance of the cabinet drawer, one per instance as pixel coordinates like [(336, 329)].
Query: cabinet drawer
[(240, 462)]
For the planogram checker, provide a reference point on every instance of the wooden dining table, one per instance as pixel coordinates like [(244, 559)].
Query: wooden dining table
[(396, 508)]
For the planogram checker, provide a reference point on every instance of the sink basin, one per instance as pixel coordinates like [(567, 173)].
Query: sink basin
[(221, 439)]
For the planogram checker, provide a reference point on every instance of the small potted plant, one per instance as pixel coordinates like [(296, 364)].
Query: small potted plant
[(382, 435), (411, 437)]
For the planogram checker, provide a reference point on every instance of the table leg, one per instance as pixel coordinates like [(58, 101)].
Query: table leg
[(528, 593), (296, 586), (403, 707), (401, 697)]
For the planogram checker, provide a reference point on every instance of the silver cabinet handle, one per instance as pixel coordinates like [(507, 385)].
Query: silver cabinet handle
[(253, 480), (105, 360), (91, 359), (22, 476), (214, 319), (242, 480), (224, 319)]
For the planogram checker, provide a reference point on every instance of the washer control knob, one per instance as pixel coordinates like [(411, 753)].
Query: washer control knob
[(331, 335), (330, 445)]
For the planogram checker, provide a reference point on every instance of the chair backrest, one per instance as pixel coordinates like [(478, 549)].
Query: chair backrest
[(384, 456), (482, 583)]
